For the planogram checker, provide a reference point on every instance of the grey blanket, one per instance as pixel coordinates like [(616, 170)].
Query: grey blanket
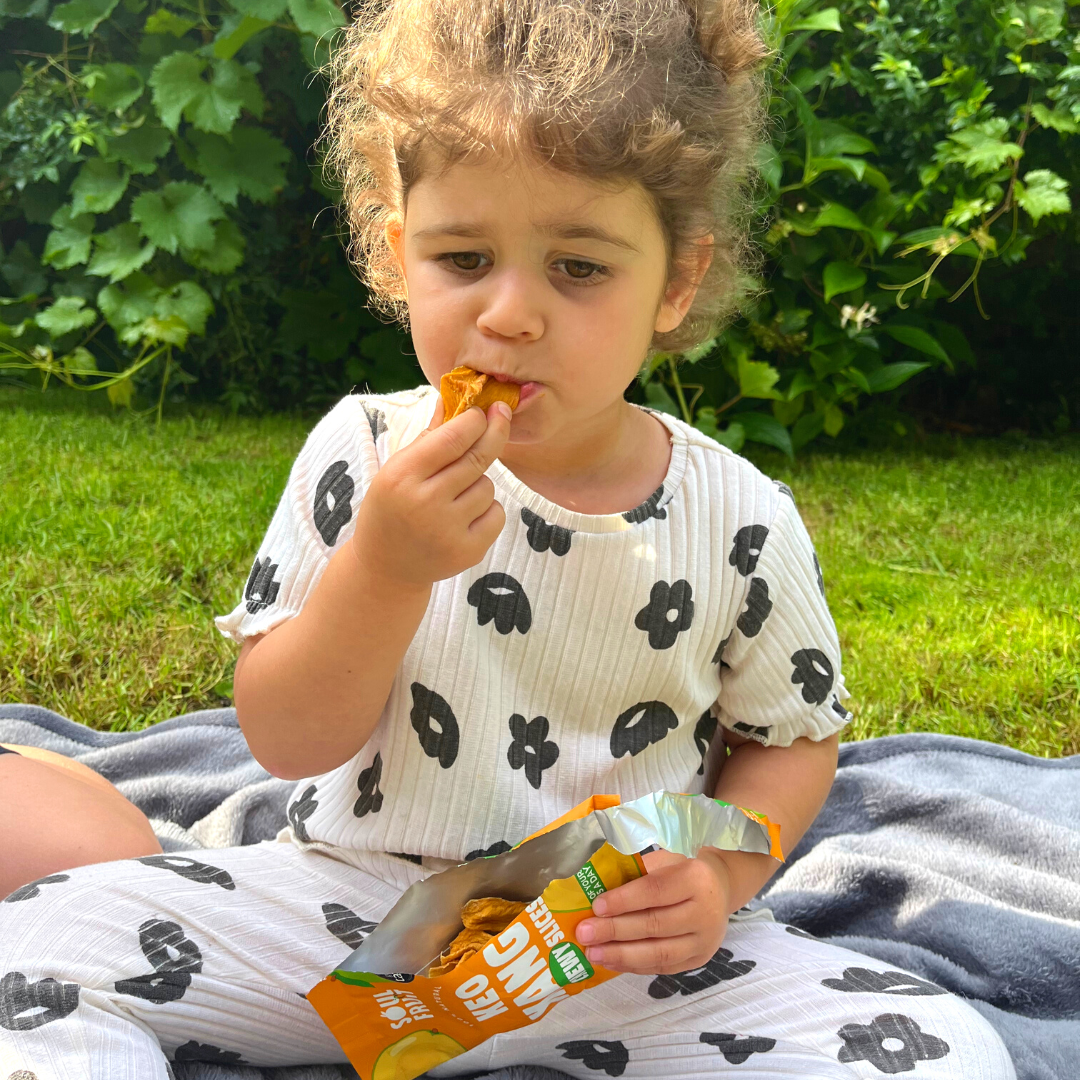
[(955, 859)]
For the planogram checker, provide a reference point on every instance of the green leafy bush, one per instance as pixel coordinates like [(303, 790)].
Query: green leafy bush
[(158, 192)]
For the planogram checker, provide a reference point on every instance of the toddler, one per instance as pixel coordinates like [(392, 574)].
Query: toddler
[(452, 633)]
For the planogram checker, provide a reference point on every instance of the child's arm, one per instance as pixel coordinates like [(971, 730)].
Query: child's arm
[(309, 693), (675, 917)]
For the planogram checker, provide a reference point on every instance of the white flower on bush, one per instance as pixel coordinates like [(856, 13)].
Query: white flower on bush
[(862, 316)]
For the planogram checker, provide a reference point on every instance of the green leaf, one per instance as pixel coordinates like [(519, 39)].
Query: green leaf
[(235, 33), (842, 277), (769, 165), (211, 105), (69, 242), (140, 148), (833, 139), (890, 376), (828, 19), (164, 21), (81, 16), (128, 305), (1058, 119), (22, 271), (112, 86), (226, 254), (833, 420), (815, 166), (80, 361), (250, 162), (917, 339), (271, 10), (806, 428), (316, 17), (121, 393), (699, 352), (118, 253), (188, 303), (858, 378), (982, 147), (762, 428), (181, 214), (67, 314), (1043, 192), (838, 216), (658, 397), (98, 187), (757, 379)]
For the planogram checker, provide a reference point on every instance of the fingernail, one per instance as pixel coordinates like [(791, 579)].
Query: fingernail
[(586, 932), (594, 955), (599, 906), (504, 409)]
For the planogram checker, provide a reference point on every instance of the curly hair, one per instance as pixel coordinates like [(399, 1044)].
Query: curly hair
[(664, 93)]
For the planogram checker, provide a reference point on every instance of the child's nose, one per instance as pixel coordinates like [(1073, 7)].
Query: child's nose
[(512, 307)]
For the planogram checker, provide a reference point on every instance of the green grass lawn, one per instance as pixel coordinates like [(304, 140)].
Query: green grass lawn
[(951, 569)]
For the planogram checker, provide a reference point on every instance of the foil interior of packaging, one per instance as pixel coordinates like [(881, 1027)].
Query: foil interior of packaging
[(428, 915)]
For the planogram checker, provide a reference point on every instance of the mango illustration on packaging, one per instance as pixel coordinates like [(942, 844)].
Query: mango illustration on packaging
[(463, 388), (414, 1055)]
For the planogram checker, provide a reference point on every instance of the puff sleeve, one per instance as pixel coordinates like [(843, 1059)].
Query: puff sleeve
[(780, 664), (315, 516)]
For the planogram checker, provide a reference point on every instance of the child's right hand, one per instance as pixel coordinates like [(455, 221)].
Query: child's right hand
[(430, 512)]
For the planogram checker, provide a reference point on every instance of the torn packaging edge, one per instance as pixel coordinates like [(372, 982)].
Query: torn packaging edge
[(428, 914)]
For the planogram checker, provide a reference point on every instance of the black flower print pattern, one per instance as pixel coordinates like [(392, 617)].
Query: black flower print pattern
[(261, 589), (174, 958), (796, 932), (815, 671), (721, 968), (607, 1055), (371, 798), (718, 656), (434, 721), (640, 726), (191, 869), (649, 508), (333, 502), (758, 606), (544, 537), (670, 610), (735, 1049), (483, 853), (301, 810), (26, 1005), (866, 1042), (346, 925), (531, 749), (704, 730), (784, 490), (499, 597), (746, 548), (749, 731), (376, 419), (857, 980), (33, 888), (197, 1051), (839, 709), (819, 576)]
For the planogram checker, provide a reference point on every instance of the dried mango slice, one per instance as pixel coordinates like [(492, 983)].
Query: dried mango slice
[(468, 942), (491, 913), (463, 388)]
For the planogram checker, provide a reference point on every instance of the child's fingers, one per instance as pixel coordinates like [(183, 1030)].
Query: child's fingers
[(655, 956), (437, 415), (660, 888), (440, 446), (475, 499), (671, 921), (475, 460)]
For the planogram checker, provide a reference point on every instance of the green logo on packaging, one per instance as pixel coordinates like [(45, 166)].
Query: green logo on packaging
[(568, 964), (590, 882)]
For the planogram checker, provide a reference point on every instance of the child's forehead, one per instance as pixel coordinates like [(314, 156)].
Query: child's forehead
[(527, 192)]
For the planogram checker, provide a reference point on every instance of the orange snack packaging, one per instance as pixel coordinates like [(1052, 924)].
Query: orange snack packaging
[(395, 1023)]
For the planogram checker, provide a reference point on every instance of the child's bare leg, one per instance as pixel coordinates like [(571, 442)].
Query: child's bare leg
[(55, 818)]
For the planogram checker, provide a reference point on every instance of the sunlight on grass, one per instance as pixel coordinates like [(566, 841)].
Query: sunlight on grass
[(951, 571)]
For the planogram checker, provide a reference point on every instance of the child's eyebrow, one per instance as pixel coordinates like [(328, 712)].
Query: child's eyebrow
[(570, 230)]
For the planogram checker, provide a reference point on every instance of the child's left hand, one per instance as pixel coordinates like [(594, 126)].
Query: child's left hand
[(669, 921)]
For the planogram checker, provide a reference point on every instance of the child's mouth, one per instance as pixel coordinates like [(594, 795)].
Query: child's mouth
[(528, 390)]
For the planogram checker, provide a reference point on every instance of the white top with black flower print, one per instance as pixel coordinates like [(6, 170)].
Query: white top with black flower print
[(584, 654)]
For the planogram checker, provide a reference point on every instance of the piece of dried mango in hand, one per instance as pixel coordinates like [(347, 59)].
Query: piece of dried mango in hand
[(463, 388)]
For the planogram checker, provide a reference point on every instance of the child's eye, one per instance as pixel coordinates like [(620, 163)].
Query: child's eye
[(580, 270)]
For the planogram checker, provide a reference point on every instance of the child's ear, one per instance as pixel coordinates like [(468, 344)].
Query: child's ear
[(681, 292), (395, 236)]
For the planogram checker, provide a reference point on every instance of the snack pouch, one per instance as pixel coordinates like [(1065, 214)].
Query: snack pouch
[(398, 1024)]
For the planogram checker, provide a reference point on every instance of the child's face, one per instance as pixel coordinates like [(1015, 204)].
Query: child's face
[(498, 280)]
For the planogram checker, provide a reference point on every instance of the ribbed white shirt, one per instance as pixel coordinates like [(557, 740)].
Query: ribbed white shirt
[(585, 654)]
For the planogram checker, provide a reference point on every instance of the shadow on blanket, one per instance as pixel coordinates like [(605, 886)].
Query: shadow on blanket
[(955, 859)]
